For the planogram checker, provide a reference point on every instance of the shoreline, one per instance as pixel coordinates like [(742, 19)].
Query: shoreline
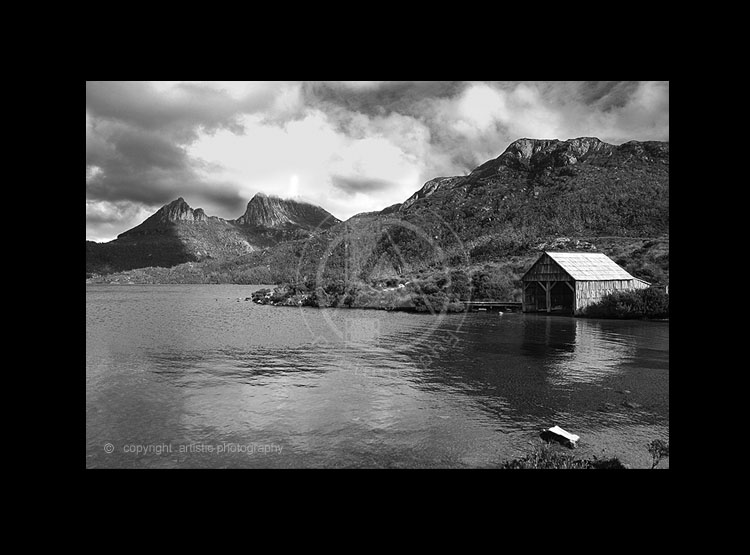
[(254, 298)]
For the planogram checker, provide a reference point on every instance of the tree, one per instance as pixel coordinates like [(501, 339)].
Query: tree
[(658, 450)]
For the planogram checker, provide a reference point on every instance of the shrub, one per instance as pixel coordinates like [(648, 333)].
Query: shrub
[(546, 457), (640, 303), (658, 449), (460, 285), (491, 285), (431, 302)]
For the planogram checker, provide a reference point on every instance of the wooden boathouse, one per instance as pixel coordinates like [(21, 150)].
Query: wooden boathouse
[(567, 282)]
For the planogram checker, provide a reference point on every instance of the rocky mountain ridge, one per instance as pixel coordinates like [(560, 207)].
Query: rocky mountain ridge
[(535, 158), (176, 211), (177, 233), (271, 211)]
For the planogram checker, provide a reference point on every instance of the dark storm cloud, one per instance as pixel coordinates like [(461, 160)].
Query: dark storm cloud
[(155, 186), (404, 97), (600, 95), (223, 195), (148, 149), (181, 112), (351, 185), (136, 139), (131, 163), (606, 95)]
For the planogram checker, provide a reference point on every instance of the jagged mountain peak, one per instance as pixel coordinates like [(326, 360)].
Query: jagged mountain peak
[(176, 211), (261, 197), (529, 146), (179, 210), (532, 154), (543, 155), (271, 211)]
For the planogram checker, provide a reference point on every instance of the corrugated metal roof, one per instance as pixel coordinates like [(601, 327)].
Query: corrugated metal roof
[(589, 266)]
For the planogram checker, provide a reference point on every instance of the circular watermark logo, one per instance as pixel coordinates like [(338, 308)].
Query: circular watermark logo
[(108, 448), (373, 262)]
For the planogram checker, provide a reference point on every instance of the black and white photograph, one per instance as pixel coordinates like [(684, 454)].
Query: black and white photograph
[(377, 275)]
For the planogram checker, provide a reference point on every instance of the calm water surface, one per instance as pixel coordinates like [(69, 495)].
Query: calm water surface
[(188, 376)]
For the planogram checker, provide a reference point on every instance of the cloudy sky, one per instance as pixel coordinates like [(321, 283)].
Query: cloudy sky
[(348, 146)]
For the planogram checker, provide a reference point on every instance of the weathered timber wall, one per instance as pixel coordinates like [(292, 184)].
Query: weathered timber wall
[(589, 292)]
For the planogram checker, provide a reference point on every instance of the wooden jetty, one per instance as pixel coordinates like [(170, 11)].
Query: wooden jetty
[(493, 306)]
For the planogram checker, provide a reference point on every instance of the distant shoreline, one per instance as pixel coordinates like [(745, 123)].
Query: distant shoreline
[(255, 299)]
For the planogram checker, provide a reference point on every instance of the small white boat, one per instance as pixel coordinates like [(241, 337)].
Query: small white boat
[(556, 433)]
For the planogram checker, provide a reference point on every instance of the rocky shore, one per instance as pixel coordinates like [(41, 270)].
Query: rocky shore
[(401, 297)]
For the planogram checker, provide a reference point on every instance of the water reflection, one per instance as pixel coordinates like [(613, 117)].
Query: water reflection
[(258, 366), (546, 336), (593, 355), (528, 370)]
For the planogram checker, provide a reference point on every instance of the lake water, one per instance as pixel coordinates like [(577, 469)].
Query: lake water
[(187, 376)]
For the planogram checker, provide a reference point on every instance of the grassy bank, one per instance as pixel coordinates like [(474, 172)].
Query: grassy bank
[(547, 456)]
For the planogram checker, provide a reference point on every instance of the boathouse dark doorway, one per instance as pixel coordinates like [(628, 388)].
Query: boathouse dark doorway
[(561, 297)]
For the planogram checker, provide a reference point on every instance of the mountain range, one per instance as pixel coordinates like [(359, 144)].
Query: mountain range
[(177, 233), (578, 193)]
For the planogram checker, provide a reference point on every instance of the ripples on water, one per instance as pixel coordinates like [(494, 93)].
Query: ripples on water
[(190, 366)]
